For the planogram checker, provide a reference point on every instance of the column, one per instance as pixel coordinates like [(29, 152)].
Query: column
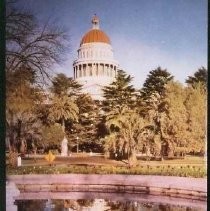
[(103, 69), (75, 71), (111, 70), (108, 70), (100, 70), (80, 75), (97, 69), (84, 69), (88, 69), (91, 69)]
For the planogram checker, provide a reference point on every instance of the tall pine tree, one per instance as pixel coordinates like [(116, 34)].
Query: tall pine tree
[(155, 82), (120, 92)]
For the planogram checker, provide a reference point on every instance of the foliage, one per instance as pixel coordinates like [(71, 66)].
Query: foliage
[(196, 106), (185, 124), (21, 96), (52, 135), (119, 92), (23, 129), (12, 159), (120, 97), (110, 145), (174, 123), (86, 129), (153, 109), (63, 108), (178, 119), (155, 82), (62, 85), (84, 119), (31, 49), (130, 126), (32, 44), (116, 116), (200, 76), (85, 104), (132, 132), (21, 99)]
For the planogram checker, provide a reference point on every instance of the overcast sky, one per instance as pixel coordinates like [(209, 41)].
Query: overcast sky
[(144, 34)]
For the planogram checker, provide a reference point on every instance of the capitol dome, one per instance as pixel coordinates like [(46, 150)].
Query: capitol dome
[(95, 35), (95, 66)]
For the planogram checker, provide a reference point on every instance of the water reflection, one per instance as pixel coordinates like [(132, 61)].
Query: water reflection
[(98, 205)]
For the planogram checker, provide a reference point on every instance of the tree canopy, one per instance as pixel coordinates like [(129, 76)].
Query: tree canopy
[(200, 76), (155, 82), (32, 44), (62, 85), (120, 91)]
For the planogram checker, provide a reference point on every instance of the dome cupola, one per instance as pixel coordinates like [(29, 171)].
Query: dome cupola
[(95, 34)]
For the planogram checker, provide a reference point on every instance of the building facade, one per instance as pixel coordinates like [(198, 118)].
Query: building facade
[(95, 66)]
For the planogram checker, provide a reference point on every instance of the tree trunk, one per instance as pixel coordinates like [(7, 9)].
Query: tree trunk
[(22, 147), (63, 125), (132, 160)]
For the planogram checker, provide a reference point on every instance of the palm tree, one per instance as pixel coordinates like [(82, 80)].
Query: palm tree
[(128, 127), (115, 117), (132, 132), (63, 108)]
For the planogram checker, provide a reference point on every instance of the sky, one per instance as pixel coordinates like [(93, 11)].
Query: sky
[(144, 34)]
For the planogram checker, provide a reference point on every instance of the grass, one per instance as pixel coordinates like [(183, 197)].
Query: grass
[(182, 171), (188, 167)]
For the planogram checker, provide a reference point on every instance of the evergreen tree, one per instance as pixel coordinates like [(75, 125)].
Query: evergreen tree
[(62, 85), (200, 76), (119, 92), (155, 82), (87, 126)]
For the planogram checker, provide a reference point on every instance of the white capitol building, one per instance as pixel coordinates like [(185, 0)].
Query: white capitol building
[(95, 66)]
